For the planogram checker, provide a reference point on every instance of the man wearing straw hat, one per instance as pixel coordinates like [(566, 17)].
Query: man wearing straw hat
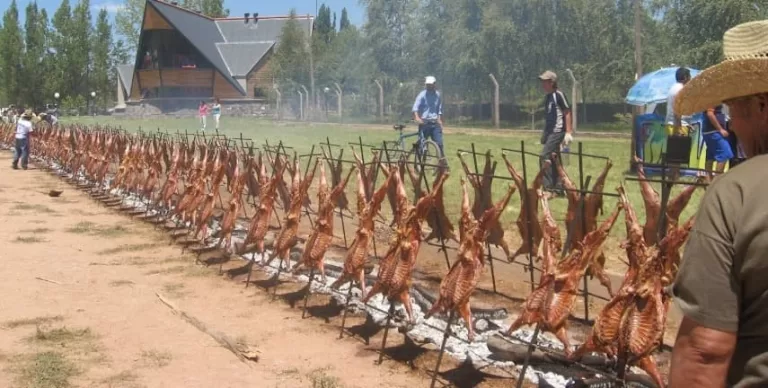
[(21, 147), (721, 287)]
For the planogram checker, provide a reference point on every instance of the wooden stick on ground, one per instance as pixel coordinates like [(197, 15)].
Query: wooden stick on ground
[(242, 351), (47, 280)]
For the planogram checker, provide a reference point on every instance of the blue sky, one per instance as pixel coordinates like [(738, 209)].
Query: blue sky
[(236, 7)]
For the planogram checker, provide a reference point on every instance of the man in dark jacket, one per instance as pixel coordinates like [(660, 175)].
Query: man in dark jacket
[(557, 131)]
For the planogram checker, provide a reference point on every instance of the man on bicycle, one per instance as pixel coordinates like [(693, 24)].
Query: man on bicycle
[(428, 113)]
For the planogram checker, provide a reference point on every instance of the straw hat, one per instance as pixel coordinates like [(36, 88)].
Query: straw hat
[(744, 71)]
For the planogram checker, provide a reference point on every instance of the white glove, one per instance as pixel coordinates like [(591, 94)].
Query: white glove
[(568, 139)]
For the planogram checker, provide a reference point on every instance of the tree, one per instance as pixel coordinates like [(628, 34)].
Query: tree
[(62, 41), (12, 46), (324, 30), (80, 59), (128, 22), (34, 60), (291, 62), (344, 23), (214, 8), (101, 64)]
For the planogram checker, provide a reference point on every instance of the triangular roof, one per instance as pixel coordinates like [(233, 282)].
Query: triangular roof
[(125, 72), (233, 46)]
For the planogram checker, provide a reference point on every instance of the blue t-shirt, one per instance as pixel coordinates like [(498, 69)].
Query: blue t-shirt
[(216, 109), (428, 105)]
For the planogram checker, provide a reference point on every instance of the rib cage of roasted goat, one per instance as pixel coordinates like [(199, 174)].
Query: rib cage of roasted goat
[(357, 254), (395, 269), (321, 236), (551, 302), (457, 287)]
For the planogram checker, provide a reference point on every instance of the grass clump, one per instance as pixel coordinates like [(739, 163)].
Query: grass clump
[(320, 379), (61, 335), (28, 240), (127, 248), (36, 321), (155, 358), (47, 369), (35, 208)]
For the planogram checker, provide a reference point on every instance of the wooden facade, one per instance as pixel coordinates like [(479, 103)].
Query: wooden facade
[(260, 78)]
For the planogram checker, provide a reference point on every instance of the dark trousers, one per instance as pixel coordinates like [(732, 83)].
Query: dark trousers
[(551, 145), (21, 151), (432, 131)]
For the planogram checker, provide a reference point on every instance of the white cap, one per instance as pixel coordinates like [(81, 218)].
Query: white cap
[(430, 80)]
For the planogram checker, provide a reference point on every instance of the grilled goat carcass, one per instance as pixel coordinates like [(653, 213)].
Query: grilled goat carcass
[(483, 200), (259, 225), (555, 303), (439, 223), (287, 238), (652, 202), (358, 251), (457, 287), (529, 201), (394, 276), (605, 331), (322, 235)]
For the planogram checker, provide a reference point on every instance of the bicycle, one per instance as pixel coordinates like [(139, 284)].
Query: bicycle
[(421, 151)]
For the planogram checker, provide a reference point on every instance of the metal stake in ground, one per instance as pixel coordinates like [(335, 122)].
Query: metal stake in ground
[(527, 361), (582, 212), (346, 307), (309, 291), (528, 214), (446, 335), (386, 331)]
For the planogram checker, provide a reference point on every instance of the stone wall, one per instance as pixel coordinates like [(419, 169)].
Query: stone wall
[(188, 108)]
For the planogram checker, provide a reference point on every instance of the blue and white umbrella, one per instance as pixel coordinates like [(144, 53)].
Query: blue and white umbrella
[(653, 88)]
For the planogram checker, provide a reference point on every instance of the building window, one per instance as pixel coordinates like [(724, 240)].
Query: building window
[(259, 92)]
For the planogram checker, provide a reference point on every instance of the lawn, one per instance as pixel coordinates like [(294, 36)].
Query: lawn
[(301, 137)]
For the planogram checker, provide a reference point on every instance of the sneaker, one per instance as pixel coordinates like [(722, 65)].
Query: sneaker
[(15, 167)]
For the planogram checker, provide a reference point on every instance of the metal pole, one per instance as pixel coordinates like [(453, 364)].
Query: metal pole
[(528, 216), (386, 331), (527, 361), (446, 335), (582, 212), (495, 101), (309, 291), (346, 308)]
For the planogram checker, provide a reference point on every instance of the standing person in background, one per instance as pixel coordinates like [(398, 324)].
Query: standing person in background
[(24, 130), (715, 137), (558, 130), (202, 112), (428, 113), (216, 112), (674, 122)]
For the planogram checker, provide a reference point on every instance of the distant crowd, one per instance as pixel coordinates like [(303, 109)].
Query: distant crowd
[(11, 114)]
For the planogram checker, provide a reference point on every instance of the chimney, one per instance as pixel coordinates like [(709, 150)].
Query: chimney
[(246, 15)]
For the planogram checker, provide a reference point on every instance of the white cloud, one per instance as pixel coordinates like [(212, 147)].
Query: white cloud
[(111, 7)]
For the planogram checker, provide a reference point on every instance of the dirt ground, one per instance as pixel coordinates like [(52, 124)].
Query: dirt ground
[(78, 302)]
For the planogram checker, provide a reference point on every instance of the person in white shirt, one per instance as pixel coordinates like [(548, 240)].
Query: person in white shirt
[(675, 123), (24, 129)]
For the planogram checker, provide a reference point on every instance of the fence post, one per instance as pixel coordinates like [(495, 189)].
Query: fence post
[(495, 101), (339, 95), (307, 103), (279, 99), (381, 98), (301, 105)]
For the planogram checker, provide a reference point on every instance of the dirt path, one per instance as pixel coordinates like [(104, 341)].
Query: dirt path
[(78, 302)]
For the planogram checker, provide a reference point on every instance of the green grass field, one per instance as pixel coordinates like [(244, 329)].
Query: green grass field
[(301, 137)]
